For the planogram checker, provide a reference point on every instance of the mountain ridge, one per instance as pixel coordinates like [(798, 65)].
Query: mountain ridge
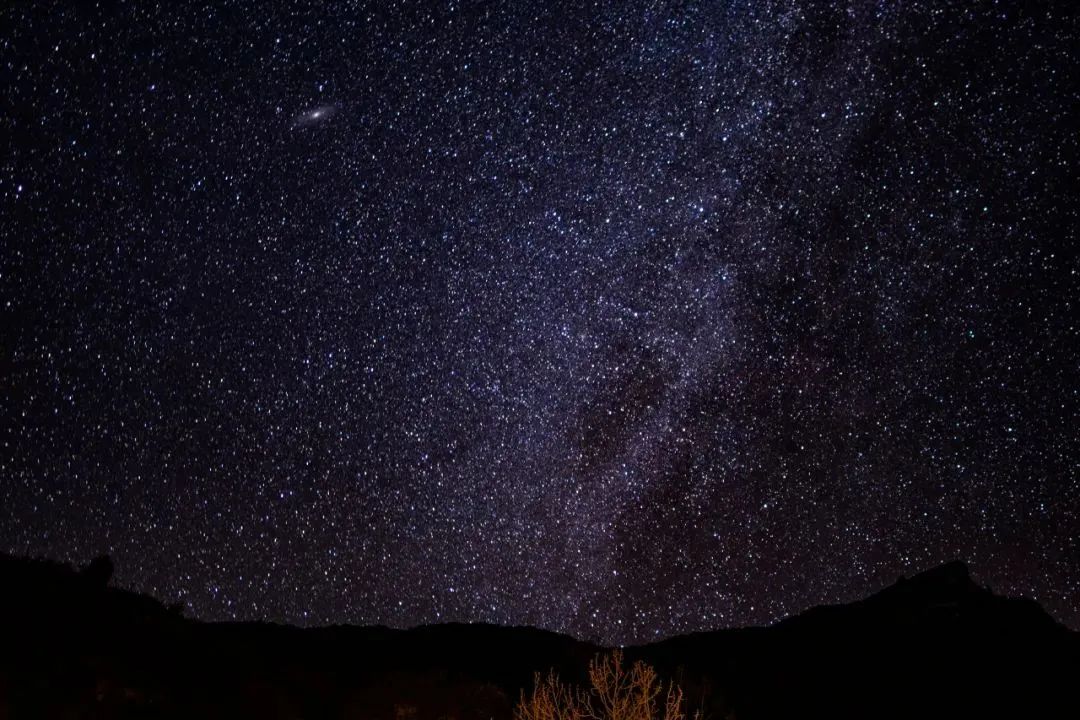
[(945, 645)]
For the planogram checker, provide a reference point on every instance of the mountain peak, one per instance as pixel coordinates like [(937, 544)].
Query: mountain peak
[(954, 572), (949, 584)]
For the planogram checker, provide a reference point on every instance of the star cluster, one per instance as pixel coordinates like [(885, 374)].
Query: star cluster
[(621, 319)]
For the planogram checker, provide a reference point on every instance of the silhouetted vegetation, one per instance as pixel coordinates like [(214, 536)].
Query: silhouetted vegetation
[(936, 645)]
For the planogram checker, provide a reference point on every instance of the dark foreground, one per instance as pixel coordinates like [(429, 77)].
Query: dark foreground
[(936, 645)]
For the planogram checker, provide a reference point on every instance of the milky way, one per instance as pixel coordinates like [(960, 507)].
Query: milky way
[(624, 321)]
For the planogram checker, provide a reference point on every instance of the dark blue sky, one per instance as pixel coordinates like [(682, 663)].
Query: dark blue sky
[(625, 320)]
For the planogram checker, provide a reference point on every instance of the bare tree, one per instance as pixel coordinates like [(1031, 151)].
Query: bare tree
[(617, 693)]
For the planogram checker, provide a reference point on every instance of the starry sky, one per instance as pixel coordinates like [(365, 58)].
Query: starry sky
[(620, 319)]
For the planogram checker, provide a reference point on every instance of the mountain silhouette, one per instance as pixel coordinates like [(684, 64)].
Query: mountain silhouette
[(934, 645)]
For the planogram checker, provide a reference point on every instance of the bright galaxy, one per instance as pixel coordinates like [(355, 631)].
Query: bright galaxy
[(623, 320)]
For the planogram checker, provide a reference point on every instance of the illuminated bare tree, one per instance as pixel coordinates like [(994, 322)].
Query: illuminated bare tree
[(617, 693)]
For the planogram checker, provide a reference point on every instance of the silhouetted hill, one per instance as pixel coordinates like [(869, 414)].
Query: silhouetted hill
[(935, 645)]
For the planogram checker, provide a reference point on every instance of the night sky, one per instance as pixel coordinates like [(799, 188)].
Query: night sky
[(619, 319)]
